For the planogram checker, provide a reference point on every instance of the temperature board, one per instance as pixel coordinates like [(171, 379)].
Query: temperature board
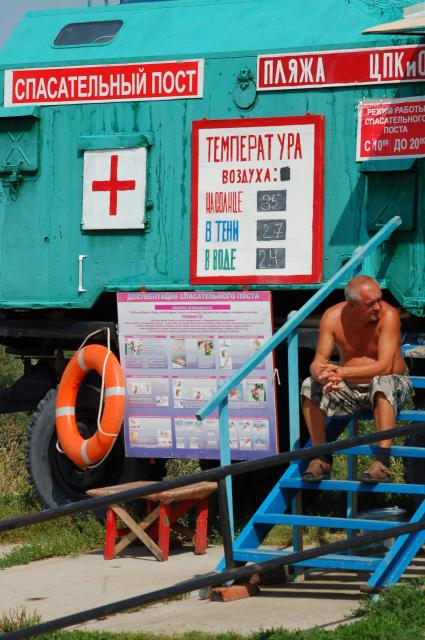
[(257, 195)]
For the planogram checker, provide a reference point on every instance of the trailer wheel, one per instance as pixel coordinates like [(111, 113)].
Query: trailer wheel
[(55, 479)]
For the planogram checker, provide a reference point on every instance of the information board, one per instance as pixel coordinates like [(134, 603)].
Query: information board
[(391, 128), (176, 349), (257, 200)]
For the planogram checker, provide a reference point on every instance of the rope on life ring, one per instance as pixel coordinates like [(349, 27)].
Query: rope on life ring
[(82, 452)]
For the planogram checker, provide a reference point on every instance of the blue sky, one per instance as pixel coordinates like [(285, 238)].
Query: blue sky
[(11, 15)]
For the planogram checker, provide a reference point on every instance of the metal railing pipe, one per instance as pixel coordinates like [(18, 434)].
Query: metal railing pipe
[(225, 459), (293, 388), (210, 475)]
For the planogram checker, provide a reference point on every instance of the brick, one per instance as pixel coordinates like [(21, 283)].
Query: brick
[(235, 592)]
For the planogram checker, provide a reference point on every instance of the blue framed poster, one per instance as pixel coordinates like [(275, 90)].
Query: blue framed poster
[(176, 349)]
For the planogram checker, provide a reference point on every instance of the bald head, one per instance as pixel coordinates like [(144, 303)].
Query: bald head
[(354, 288)]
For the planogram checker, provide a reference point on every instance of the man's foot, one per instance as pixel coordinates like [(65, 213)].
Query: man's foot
[(316, 471), (376, 472)]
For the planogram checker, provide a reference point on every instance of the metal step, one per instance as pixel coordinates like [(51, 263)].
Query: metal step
[(418, 382), (411, 414), (415, 415), (331, 561), (401, 452), (322, 521), (352, 486)]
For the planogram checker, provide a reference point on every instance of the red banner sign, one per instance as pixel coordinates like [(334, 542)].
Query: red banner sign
[(391, 128), (338, 68), (104, 83)]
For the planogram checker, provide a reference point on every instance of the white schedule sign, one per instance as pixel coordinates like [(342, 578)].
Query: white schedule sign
[(257, 197)]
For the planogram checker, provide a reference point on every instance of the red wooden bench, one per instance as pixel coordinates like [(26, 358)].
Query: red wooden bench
[(164, 509)]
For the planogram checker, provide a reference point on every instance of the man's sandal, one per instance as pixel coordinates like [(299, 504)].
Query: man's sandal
[(376, 472), (316, 471)]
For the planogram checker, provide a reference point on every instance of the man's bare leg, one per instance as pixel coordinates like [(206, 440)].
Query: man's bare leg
[(384, 416), (315, 420), (383, 413), (319, 468)]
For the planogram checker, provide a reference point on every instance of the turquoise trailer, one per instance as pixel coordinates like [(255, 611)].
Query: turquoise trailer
[(132, 135)]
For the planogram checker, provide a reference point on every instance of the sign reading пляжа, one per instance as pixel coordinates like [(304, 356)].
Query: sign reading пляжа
[(344, 67), (257, 192)]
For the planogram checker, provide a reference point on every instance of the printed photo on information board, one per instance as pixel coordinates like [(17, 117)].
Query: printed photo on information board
[(176, 349)]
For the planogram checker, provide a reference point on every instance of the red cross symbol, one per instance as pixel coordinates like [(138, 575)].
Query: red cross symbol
[(113, 185)]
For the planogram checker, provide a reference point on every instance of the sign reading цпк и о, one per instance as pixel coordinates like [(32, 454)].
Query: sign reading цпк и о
[(314, 69), (391, 128), (164, 80)]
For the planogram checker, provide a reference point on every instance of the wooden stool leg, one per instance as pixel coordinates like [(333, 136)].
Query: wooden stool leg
[(201, 527), (110, 534), (164, 529)]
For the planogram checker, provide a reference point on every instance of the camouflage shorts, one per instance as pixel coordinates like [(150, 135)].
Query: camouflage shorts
[(358, 398)]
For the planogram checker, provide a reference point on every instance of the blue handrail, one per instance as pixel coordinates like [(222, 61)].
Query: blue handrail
[(288, 330)]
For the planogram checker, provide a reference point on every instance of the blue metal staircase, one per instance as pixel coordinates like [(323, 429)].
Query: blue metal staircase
[(283, 504), (280, 507)]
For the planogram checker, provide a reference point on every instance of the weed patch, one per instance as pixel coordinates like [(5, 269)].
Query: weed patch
[(13, 440), (57, 538), (18, 619)]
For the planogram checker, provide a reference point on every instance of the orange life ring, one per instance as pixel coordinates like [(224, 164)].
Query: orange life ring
[(87, 452)]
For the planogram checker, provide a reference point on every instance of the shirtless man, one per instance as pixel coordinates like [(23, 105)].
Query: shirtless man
[(371, 374)]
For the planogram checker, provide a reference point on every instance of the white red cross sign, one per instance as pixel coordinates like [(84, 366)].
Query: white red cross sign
[(114, 189)]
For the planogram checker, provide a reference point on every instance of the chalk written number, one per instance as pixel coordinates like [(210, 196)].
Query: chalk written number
[(271, 200), (271, 230), (271, 258)]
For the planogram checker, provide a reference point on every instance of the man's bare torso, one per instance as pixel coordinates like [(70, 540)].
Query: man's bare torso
[(357, 343)]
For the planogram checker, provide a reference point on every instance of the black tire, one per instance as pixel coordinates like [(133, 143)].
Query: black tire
[(55, 479)]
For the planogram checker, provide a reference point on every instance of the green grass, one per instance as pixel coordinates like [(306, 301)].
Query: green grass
[(65, 536), (398, 615), (13, 441), (57, 538), (18, 618)]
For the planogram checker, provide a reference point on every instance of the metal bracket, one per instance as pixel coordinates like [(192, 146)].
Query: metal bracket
[(148, 210), (13, 178), (245, 92), (245, 77), (80, 273)]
